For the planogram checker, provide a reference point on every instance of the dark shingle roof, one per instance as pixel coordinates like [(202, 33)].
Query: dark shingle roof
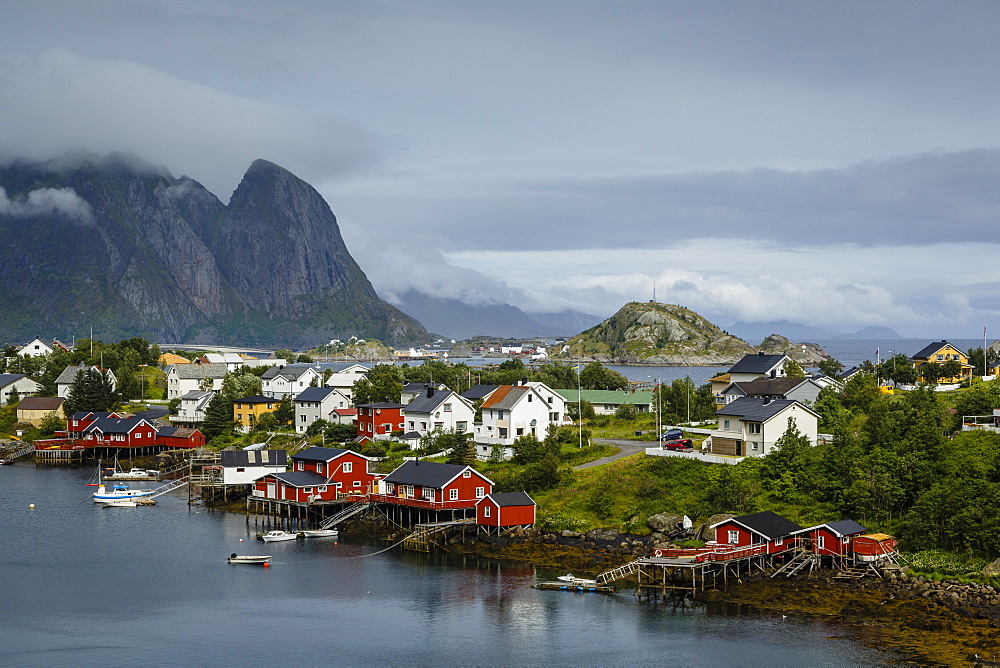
[(110, 425), (254, 458), (8, 378), (83, 415), (200, 370), (318, 454), (768, 524), (748, 409), (425, 474), (257, 399), (289, 371), (931, 348), (317, 394), (756, 363), (846, 527), (382, 404), (153, 413), (477, 392), (301, 478), (769, 386), (511, 499), (40, 404), (424, 404)]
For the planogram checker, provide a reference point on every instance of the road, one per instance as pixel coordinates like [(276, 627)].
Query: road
[(625, 447)]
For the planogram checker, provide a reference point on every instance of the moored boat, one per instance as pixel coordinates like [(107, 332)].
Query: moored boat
[(249, 558), (319, 533), (277, 536), (572, 579), (118, 503), (119, 492)]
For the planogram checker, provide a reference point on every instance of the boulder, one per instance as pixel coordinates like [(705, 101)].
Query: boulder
[(570, 534), (602, 534), (663, 522), (705, 533), (992, 568)]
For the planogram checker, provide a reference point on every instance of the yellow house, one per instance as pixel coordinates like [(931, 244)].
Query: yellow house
[(171, 358), (720, 383), (34, 409), (940, 352), (247, 411)]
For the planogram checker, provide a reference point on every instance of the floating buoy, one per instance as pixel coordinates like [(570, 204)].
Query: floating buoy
[(266, 564), (241, 540), (31, 505)]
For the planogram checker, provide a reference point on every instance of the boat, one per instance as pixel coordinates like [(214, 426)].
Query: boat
[(118, 503), (319, 533), (119, 492), (277, 536), (572, 579), (249, 558)]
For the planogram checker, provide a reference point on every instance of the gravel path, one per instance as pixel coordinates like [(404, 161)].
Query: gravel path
[(625, 447)]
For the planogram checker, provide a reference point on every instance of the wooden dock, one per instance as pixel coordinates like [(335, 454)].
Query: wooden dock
[(569, 586)]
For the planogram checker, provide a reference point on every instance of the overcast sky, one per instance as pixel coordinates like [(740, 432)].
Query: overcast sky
[(830, 163)]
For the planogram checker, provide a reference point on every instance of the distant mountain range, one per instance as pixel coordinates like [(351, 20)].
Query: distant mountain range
[(758, 331), (458, 320), (125, 247)]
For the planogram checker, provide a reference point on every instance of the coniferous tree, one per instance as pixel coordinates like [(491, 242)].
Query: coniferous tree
[(218, 416)]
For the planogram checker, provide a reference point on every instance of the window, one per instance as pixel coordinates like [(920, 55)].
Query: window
[(300, 466), (411, 425), (356, 483), (303, 418), (940, 357), (429, 494), (553, 417), (480, 492), (503, 432), (519, 431), (240, 469), (409, 491), (779, 541), (466, 474), (308, 490), (486, 510), (821, 542), (734, 537), (447, 408), (529, 398), (550, 400), (725, 424), (754, 427), (319, 468), (390, 488), (453, 494), (321, 488), (348, 467), (461, 426)]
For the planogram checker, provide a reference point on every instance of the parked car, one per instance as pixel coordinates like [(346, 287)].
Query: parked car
[(671, 434), (679, 444)]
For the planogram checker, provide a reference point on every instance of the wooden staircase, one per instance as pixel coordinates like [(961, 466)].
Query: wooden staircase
[(618, 573)]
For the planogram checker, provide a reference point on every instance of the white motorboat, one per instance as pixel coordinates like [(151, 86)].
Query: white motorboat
[(319, 533), (572, 579), (277, 536), (249, 558), (119, 492), (118, 503)]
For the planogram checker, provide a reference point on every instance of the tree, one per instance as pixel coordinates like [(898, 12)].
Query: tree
[(241, 383), (626, 412), (951, 369), (285, 412), (794, 370), (90, 391), (528, 449), (931, 372), (596, 376), (51, 423), (976, 360), (585, 407), (285, 354), (317, 427), (218, 416), (830, 367), (462, 449), (266, 422), (340, 433), (383, 383)]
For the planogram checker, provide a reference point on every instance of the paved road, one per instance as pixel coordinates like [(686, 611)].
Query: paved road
[(625, 448)]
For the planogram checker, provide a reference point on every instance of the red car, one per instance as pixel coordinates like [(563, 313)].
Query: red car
[(679, 444)]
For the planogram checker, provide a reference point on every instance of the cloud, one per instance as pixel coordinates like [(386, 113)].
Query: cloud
[(47, 201), (61, 101)]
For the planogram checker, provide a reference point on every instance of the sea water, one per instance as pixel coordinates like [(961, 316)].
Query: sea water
[(86, 585)]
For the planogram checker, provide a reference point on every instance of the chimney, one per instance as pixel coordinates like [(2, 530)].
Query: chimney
[(430, 391), (524, 381)]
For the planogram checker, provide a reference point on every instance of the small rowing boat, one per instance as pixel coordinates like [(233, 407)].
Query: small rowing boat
[(319, 533), (249, 558)]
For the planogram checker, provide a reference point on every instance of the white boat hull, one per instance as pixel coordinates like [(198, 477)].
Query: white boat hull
[(277, 537), (120, 503), (249, 559), (320, 533)]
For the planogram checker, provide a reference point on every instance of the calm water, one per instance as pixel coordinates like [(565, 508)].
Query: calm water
[(122, 586)]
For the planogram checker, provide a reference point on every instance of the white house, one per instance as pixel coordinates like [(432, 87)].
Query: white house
[(315, 403), (65, 380), (184, 378), (517, 410), (344, 376), (749, 426), (803, 390), (35, 349), (752, 367), (439, 410), (279, 382), (9, 382), (191, 410), (242, 467), (233, 361)]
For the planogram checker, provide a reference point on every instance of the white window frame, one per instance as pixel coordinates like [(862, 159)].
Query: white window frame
[(453, 495), (733, 537)]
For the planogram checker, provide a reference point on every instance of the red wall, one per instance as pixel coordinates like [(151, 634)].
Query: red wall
[(746, 538), (504, 516)]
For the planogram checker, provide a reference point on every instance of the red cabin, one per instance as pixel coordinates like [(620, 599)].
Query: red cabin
[(110, 432), (378, 421), (832, 539), (180, 437), (505, 509), (430, 485), (873, 547), (765, 528), (320, 474)]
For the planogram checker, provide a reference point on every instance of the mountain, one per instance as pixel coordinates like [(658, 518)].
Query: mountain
[(757, 331), (123, 246), (805, 353), (458, 320), (653, 333), (873, 333)]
